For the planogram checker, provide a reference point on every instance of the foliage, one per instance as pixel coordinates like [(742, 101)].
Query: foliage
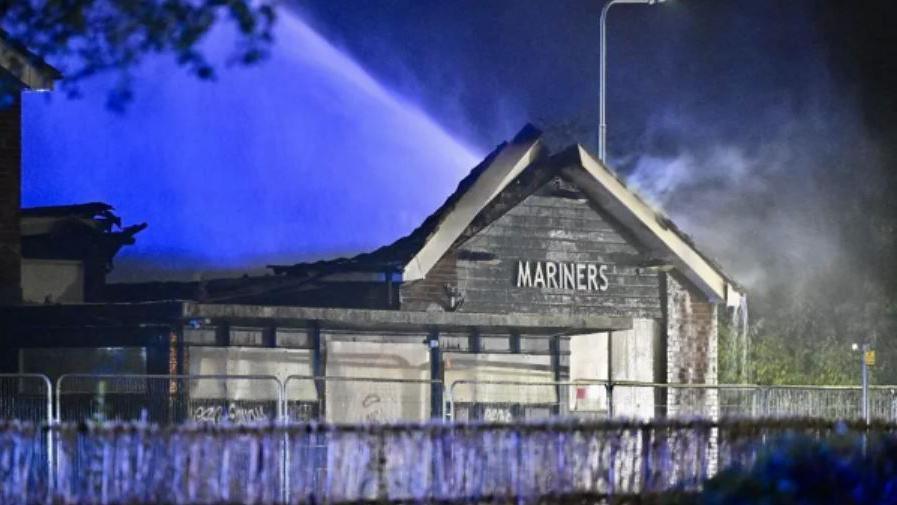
[(89, 37), (809, 339), (729, 354), (780, 360)]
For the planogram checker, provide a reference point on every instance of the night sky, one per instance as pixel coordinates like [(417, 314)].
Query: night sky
[(764, 128)]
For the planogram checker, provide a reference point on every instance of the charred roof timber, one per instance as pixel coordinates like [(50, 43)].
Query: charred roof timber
[(90, 232)]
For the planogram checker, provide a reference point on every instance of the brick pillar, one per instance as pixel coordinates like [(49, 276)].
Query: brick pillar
[(10, 202), (692, 335)]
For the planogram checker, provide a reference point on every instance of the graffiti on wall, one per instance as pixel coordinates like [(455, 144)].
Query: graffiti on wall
[(233, 413), (373, 408)]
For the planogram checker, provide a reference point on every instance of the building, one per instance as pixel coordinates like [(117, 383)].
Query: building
[(20, 71), (541, 268), (67, 250)]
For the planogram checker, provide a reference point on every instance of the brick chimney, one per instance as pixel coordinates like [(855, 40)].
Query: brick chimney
[(20, 71)]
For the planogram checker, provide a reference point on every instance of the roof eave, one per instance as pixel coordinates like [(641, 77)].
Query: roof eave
[(507, 165), (28, 69), (650, 225)]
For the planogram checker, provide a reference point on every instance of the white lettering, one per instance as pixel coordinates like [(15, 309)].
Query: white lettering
[(559, 275), (538, 277), (568, 279), (551, 270), (580, 277), (524, 277), (592, 274)]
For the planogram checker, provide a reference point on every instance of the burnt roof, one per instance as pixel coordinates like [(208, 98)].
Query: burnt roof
[(395, 256), (650, 226), (78, 232)]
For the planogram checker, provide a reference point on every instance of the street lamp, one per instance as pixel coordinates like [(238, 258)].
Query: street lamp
[(602, 126)]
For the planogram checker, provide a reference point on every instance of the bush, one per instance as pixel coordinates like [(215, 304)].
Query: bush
[(804, 471)]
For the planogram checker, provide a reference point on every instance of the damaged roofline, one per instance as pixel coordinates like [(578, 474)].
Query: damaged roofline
[(687, 259), (510, 162), (650, 225)]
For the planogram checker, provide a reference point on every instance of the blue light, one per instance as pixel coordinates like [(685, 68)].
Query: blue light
[(303, 157)]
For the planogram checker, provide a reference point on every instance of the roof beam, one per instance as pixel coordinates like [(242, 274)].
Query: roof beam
[(512, 159), (649, 225), (365, 319), (27, 68)]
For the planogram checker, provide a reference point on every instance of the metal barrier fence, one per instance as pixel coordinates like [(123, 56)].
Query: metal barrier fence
[(169, 399), (316, 464), (831, 402), (505, 401), (29, 398), (515, 400), (361, 400), (557, 462), (26, 397)]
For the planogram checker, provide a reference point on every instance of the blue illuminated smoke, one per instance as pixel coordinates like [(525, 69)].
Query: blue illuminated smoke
[(303, 157)]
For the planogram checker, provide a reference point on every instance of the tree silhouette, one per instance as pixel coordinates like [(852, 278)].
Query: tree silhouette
[(89, 37)]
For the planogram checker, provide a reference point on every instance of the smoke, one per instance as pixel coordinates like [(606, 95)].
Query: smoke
[(778, 211)]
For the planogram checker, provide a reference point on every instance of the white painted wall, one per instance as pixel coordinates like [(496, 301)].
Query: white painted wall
[(635, 354), (588, 362), (249, 361), (500, 367), (377, 401), (56, 281)]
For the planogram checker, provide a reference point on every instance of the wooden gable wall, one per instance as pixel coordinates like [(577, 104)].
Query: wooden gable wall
[(553, 223)]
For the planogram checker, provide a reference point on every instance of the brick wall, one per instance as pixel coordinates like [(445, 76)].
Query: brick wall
[(10, 202), (692, 335)]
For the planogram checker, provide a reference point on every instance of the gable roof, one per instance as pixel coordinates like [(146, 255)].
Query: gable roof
[(415, 254), (27, 68), (650, 226)]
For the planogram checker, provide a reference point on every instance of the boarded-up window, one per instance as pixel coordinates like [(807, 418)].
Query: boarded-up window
[(377, 382)]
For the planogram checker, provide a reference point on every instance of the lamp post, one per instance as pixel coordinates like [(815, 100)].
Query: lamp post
[(602, 125)]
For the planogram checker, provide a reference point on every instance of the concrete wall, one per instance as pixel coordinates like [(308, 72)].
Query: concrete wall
[(53, 281)]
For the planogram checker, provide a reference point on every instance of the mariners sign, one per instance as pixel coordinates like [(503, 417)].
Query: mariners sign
[(559, 275)]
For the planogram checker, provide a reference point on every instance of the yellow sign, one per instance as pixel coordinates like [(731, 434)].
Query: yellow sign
[(869, 358)]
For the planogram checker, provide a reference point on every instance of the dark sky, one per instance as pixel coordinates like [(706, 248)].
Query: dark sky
[(763, 127), (766, 128), (734, 66)]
